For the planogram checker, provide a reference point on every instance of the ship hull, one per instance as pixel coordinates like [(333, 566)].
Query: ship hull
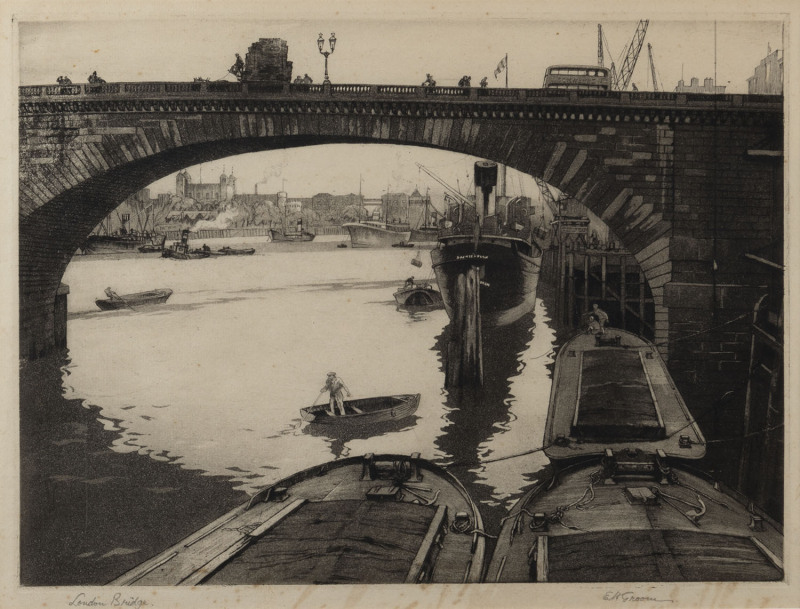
[(508, 277), (424, 235), (105, 244), (291, 237), (365, 235)]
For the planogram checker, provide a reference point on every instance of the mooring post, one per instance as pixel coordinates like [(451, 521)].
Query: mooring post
[(586, 268), (465, 349), (562, 269), (623, 271), (642, 284), (603, 271), (571, 302)]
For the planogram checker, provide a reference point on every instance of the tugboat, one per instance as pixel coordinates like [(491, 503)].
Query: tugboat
[(359, 520), (179, 250), (622, 501), (499, 242), (297, 235)]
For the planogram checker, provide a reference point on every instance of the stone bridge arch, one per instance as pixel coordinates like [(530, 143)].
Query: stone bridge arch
[(674, 176)]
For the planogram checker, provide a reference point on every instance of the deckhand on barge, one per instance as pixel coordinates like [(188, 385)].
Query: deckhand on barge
[(622, 502), (370, 519)]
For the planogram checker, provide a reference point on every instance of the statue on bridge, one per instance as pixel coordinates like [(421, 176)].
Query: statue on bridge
[(94, 79), (238, 67), (465, 81), (303, 80), (484, 82), (428, 82), (63, 80)]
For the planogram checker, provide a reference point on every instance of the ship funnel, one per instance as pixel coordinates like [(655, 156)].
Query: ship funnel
[(486, 180), (485, 174)]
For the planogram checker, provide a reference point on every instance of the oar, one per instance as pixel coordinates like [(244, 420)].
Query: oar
[(125, 302)]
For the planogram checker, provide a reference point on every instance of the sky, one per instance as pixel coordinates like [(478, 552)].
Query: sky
[(396, 50)]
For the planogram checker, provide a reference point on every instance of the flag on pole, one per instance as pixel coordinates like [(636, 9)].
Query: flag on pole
[(501, 66)]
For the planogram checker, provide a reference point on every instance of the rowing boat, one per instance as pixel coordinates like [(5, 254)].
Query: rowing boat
[(229, 251), (364, 411), (138, 299), (418, 295)]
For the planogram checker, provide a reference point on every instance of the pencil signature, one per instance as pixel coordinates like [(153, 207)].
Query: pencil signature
[(116, 600), (629, 596)]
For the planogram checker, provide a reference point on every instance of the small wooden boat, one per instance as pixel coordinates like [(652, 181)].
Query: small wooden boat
[(138, 299), (364, 411), (419, 295), (151, 248), (358, 520), (228, 251), (403, 244)]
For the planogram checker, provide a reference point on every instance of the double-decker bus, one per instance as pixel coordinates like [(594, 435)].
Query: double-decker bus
[(577, 77)]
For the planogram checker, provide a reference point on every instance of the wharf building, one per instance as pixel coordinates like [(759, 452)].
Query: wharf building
[(707, 87), (418, 206), (394, 206), (768, 76)]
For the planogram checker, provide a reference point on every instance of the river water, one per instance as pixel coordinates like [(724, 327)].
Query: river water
[(205, 391)]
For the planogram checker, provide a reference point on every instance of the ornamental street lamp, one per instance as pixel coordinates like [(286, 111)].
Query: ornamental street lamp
[(320, 44)]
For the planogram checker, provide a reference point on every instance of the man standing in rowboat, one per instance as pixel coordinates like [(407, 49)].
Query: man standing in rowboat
[(335, 386)]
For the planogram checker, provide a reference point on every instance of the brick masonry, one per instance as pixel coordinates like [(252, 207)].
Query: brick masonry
[(674, 182)]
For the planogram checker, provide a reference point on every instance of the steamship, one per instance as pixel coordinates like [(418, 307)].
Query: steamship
[(370, 233), (496, 239)]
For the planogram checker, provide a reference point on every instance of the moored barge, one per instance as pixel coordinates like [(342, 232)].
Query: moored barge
[(371, 519)]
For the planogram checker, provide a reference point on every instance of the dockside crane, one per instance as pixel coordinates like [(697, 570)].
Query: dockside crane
[(622, 78), (452, 191), (601, 40), (631, 55), (548, 197), (652, 67)]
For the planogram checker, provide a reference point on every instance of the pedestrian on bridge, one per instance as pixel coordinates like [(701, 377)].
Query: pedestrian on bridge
[(428, 82)]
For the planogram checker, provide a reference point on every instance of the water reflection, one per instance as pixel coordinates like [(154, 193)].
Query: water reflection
[(475, 414), (338, 438), (88, 512)]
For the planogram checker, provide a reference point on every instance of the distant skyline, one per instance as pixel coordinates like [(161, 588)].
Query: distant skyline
[(380, 168), (396, 50)]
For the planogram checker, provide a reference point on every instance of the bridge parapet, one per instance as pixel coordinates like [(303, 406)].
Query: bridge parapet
[(267, 90)]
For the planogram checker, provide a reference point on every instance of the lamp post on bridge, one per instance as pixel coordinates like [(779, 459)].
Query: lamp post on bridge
[(321, 44)]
